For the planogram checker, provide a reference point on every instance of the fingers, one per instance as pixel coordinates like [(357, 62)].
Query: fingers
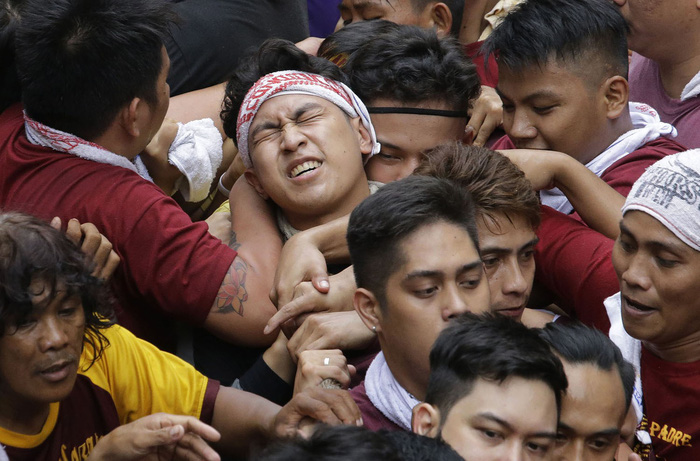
[(323, 405), (110, 266), (56, 223), (74, 231), (486, 116), (321, 283), (300, 305), (489, 124), (192, 447)]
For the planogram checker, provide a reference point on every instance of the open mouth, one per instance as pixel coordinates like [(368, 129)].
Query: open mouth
[(638, 306), (304, 168)]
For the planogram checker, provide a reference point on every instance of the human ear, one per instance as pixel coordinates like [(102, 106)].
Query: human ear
[(130, 117), (253, 180), (363, 136), (426, 420), (616, 96), (441, 19), (368, 309)]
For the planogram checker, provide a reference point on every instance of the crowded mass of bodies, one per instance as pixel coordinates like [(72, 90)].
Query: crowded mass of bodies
[(349, 230)]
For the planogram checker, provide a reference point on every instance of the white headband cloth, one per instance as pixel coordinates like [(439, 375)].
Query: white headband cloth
[(295, 82), (669, 191)]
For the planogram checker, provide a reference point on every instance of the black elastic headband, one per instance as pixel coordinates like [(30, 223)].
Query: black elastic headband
[(417, 111)]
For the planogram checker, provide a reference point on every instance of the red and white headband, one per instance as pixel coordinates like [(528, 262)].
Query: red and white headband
[(295, 82)]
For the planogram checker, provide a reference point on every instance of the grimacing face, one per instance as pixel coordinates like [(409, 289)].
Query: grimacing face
[(306, 156), (404, 138), (39, 357), (658, 276)]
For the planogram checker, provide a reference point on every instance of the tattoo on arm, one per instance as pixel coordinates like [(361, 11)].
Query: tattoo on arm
[(233, 293)]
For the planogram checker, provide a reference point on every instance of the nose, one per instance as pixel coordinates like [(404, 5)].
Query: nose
[(521, 128), (292, 137), (571, 451), (515, 282), (53, 334), (454, 302), (636, 273)]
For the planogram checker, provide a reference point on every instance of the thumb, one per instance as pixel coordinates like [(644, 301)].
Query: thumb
[(321, 283), (168, 435)]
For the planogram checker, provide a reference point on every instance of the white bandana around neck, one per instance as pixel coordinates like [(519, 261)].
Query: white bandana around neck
[(387, 395), (692, 89), (42, 135), (647, 127), (631, 349)]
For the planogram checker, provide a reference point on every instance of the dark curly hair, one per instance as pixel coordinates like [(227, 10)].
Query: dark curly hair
[(29, 249), (411, 64), (273, 55)]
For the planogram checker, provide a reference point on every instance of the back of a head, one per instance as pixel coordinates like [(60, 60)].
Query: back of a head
[(413, 65), (578, 344), (383, 220), (10, 91), (338, 443), (343, 43), (491, 347), (81, 61), (588, 34), (414, 447), (273, 55), (30, 250), (494, 182)]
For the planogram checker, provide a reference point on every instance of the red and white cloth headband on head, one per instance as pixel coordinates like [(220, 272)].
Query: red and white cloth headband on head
[(295, 82)]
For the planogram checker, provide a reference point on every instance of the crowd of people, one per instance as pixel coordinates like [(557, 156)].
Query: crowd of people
[(466, 229)]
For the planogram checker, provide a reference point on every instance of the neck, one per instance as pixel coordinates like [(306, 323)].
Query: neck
[(117, 143), (19, 416), (313, 217), (615, 128), (407, 375), (675, 74), (685, 350)]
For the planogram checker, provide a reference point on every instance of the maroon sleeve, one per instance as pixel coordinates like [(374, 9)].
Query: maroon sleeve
[(171, 260), (573, 262), (487, 70), (210, 394)]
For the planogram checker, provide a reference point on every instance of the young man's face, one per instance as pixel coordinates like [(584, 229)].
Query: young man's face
[(658, 276), (552, 108), (404, 138), (39, 357), (442, 276), (306, 156), (508, 252), (398, 11), (592, 412), (513, 420)]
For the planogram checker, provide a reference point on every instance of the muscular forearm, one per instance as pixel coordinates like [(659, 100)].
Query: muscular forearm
[(329, 238)]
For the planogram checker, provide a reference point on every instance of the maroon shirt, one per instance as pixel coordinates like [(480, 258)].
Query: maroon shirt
[(372, 418)]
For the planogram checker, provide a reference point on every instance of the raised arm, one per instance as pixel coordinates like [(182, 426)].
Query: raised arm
[(598, 204)]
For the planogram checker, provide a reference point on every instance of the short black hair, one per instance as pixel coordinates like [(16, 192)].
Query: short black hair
[(492, 347), (336, 443), (10, 91), (412, 65), (81, 61), (344, 42), (578, 344), (352, 443), (274, 55), (29, 249), (590, 34), (385, 219)]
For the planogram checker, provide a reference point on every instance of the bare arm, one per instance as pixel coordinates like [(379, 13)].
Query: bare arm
[(242, 307), (195, 105), (304, 256), (598, 204)]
